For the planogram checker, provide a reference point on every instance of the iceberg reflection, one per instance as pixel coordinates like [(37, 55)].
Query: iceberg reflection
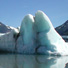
[(32, 61)]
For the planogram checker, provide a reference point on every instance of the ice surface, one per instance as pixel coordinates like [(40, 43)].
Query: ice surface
[(50, 41), (7, 40), (35, 35), (26, 30), (27, 34)]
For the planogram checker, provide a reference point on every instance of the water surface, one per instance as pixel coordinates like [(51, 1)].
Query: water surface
[(32, 61)]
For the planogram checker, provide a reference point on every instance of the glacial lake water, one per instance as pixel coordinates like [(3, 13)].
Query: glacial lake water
[(32, 61)]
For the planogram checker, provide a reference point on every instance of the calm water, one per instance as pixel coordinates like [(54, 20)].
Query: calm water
[(32, 61)]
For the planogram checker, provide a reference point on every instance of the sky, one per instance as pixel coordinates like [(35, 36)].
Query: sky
[(12, 12)]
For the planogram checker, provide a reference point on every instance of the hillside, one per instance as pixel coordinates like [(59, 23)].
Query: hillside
[(63, 29), (4, 28)]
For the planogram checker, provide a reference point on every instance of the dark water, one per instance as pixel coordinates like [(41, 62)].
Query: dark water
[(32, 61)]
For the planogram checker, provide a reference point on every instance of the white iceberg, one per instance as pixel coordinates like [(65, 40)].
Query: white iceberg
[(50, 41), (26, 39), (7, 40), (36, 35)]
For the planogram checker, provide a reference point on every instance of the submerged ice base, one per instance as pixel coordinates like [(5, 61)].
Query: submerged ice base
[(35, 36)]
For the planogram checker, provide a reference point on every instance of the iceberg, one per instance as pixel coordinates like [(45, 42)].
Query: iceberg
[(50, 41), (7, 40), (27, 35), (36, 35)]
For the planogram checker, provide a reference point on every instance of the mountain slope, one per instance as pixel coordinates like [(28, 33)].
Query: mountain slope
[(4, 28), (63, 29)]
